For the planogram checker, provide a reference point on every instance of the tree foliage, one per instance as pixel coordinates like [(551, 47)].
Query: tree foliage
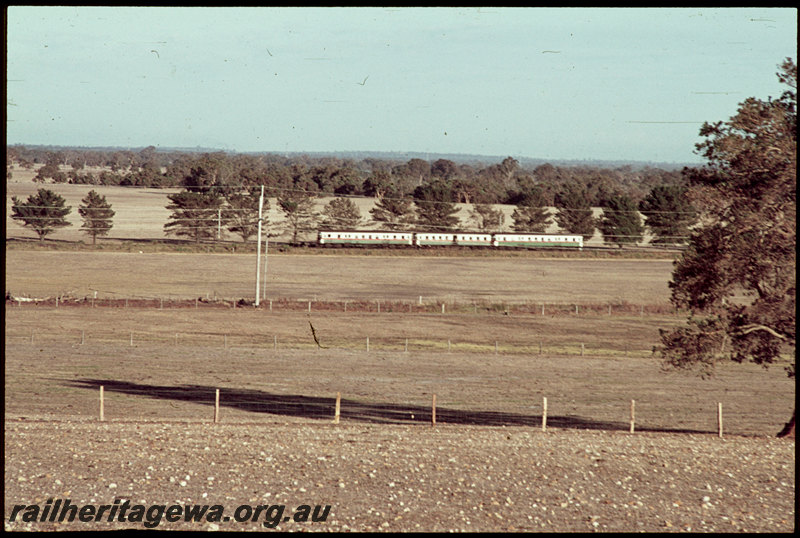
[(621, 223), (241, 212), (531, 214), (393, 211), (298, 208), (435, 211), (341, 213), (43, 212), (574, 214), (738, 276), (97, 215), (668, 214), (486, 218), (195, 214)]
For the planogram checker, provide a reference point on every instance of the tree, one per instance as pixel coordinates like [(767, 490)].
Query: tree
[(298, 207), (393, 211), (43, 212), (341, 213), (621, 223), (97, 214), (241, 212), (195, 214), (746, 196), (435, 211), (486, 218), (531, 213), (668, 214), (574, 213)]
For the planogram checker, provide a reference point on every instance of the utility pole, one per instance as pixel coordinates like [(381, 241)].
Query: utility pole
[(258, 247)]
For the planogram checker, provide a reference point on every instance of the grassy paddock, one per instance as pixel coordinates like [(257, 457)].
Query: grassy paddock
[(49, 372)]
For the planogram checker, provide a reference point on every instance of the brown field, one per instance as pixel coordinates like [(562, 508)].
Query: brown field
[(485, 466)]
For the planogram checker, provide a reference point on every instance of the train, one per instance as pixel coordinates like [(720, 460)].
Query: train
[(383, 238)]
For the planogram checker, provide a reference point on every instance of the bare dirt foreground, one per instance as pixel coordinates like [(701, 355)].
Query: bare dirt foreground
[(405, 478)]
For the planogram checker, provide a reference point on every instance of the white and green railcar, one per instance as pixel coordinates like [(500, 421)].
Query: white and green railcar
[(539, 241), (362, 238)]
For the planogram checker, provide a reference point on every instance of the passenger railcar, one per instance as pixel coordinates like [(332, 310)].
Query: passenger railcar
[(538, 240), (425, 239), (370, 237), (474, 240)]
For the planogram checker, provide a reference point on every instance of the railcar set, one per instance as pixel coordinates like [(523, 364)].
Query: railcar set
[(437, 239)]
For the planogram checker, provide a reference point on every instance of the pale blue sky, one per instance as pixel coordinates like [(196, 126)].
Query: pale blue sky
[(561, 83)]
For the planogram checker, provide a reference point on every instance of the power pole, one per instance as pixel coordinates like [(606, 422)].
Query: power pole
[(258, 247)]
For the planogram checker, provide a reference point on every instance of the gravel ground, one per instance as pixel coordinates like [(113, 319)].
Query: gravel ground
[(405, 478)]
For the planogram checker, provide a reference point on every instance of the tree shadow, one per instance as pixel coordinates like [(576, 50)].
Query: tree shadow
[(322, 408)]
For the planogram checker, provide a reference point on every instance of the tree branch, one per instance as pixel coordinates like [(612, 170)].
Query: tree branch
[(747, 329)]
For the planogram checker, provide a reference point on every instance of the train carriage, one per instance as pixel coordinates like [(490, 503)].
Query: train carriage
[(538, 240), (361, 237), (474, 240), (426, 239)]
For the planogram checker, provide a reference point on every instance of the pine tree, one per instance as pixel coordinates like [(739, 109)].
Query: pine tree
[(241, 212), (574, 213), (435, 210), (668, 214), (298, 207), (43, 212), (486, 218), (393, 211), (97, 214), (621, 223), (341, 213), (195, 214), (531, 213)]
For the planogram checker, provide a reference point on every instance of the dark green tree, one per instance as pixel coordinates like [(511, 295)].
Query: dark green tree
[(43, 212), (531, 213), (241, 212), (435, 210), (393, 211), (97, 215), (298, 208), (621, 223), (668, 214), (341, 213), (574, 214), (195, 214), (746, 197)]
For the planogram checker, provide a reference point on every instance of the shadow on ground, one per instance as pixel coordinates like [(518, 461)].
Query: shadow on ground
[(319, 408)]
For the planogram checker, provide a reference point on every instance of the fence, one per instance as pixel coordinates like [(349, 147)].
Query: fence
[(422, 305)]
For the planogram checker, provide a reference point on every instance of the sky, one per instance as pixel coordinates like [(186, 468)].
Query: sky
[(557, 83)]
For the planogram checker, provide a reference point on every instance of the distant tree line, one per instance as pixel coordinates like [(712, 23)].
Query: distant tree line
[(414, 193)]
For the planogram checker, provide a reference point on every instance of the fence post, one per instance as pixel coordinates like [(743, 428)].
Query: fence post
[(544, 414), (367, 344), (309, 307), (216, 407), (275, 342), (582, 350), (719, 419), (442, 308), (543, 309), (102, 409), (633, 414), (56, 301), (433, 411), (270, 305), (131, 338), (448, 346), (338, 408), (83, 337)]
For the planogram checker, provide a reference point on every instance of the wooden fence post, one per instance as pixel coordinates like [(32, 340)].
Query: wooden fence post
[(131, 338), (433, 411), (338, 408), (367, 344), (216, 407), (582, 349), (102, 407), (633, 414), (544, 414), (719, 419), (275, 342)]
